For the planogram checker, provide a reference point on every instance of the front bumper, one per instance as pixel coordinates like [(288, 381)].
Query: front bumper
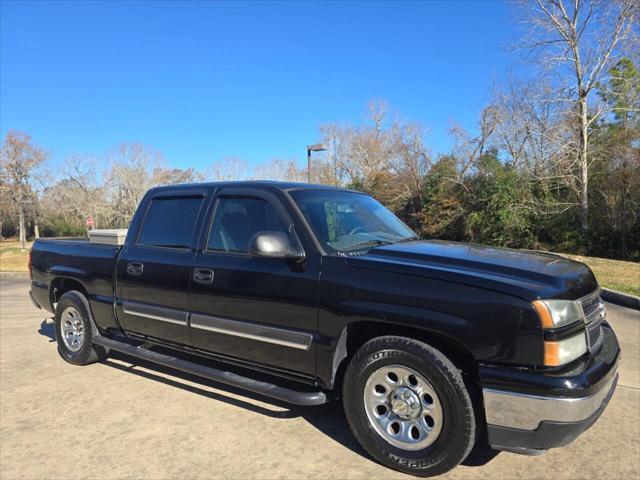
[(546, 410)]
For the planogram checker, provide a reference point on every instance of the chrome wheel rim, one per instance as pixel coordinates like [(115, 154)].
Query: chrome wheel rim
[(403, 407), (72, 329)]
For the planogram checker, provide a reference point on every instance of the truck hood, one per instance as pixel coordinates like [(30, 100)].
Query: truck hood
[(526, 274)]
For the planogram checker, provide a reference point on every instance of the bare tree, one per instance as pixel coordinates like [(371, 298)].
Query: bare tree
[(82, 193), (227, 169), (411, 159), (174, 176), (6, 207), (535, 138), (129, 178), (20, 159), (467, 148), (386, 157), (280, 169), (578, 40), (361, 153)]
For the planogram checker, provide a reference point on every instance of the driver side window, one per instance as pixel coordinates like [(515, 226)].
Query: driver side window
[(237, 219)]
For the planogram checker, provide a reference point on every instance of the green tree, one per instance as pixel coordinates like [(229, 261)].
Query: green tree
[(442, 212), (498, 211), (616, 177)]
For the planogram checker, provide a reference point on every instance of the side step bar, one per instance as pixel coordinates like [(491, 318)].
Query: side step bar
[(228, 378)]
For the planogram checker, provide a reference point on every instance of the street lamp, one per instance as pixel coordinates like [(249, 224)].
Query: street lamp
[(318, 147)]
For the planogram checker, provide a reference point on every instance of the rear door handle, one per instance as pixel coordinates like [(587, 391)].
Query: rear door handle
[(203, 275), (135, 268)]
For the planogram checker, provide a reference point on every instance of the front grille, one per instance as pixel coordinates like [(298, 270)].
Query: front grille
[(593, 307), (594, 335), (594, 313)]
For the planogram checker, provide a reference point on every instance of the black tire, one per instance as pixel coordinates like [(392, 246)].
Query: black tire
[(87, 353), (458, 433)]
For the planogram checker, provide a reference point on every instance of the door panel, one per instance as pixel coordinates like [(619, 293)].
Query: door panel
[(256, 309), (155, 302), (261, 310), (154, 270)]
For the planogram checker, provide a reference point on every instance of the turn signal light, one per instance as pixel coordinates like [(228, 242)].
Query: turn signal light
[(558, 313), (564, 351), (543, 312)]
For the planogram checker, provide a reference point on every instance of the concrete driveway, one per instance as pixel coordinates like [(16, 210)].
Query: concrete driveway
[(126, 420)]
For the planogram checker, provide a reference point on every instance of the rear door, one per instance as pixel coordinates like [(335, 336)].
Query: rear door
[(260, 310), (154, 269)]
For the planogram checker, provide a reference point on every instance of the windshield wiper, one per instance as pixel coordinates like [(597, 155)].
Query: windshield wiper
[(409, 239), (368, 243)]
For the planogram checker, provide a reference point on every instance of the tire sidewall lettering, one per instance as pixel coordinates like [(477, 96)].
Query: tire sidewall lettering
[(417, 464), (382, 355)]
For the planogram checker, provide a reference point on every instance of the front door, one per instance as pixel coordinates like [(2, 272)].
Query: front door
[(260, 310), (154, 270)]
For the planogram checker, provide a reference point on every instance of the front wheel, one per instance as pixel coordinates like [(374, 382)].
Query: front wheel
[(74, 330), (408, 406)]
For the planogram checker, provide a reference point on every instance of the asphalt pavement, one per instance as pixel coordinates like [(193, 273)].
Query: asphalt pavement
[(123, 419)]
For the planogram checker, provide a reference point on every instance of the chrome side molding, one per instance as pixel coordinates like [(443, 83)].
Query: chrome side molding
[(237, 328), (144, 310), (261, 333)]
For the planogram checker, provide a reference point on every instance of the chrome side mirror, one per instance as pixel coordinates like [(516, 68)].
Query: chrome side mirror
[(268, 244)]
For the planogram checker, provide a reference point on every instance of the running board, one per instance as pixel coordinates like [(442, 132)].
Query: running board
[(228, 378)]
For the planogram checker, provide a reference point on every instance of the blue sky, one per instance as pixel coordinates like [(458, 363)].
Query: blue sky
[(202, 80)]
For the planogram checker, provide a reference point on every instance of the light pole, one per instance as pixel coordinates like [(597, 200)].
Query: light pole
[(318, 147)]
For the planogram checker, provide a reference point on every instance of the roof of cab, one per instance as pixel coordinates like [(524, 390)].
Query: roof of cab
[(286, 186)]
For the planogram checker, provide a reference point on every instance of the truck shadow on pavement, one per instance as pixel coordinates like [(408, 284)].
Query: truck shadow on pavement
[(48, 329), (328, 418)]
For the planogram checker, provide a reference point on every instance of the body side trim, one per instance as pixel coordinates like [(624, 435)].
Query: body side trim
[(261, 333), (153, 312)]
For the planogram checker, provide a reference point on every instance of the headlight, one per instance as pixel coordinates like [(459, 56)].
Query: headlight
[(557, 313), (564, 351)]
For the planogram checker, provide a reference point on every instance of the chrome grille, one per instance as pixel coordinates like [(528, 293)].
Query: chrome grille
[(593, 307), (594, 336), (594, 313)]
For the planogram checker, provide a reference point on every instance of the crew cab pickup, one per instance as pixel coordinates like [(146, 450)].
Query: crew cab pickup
[(306, 293)]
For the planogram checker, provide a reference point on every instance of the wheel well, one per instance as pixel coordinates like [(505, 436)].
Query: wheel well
[(361, 332), (62, 285)]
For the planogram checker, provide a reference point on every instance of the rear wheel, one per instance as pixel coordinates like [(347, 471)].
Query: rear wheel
[(74, 329), (408, 406)]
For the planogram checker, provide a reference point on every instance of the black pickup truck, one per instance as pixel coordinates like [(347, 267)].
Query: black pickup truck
[(305, 293)]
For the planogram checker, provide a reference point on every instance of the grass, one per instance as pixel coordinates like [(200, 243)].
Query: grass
[(12, 257), (613, 274)]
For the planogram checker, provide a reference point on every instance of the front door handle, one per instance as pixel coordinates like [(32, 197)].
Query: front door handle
[(135, 268), (203, 275)]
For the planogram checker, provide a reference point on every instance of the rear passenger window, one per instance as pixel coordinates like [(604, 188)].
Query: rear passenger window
[(169, 222), (236, 220)]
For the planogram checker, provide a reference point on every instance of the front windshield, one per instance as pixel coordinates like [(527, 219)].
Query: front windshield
[(345, 221)]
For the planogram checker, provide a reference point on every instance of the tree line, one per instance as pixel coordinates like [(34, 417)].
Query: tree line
[(553, 162)]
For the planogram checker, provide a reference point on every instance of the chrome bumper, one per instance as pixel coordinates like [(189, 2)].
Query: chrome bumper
[(527, 412)]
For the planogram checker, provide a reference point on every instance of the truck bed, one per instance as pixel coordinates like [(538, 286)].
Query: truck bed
[(74, 259)]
